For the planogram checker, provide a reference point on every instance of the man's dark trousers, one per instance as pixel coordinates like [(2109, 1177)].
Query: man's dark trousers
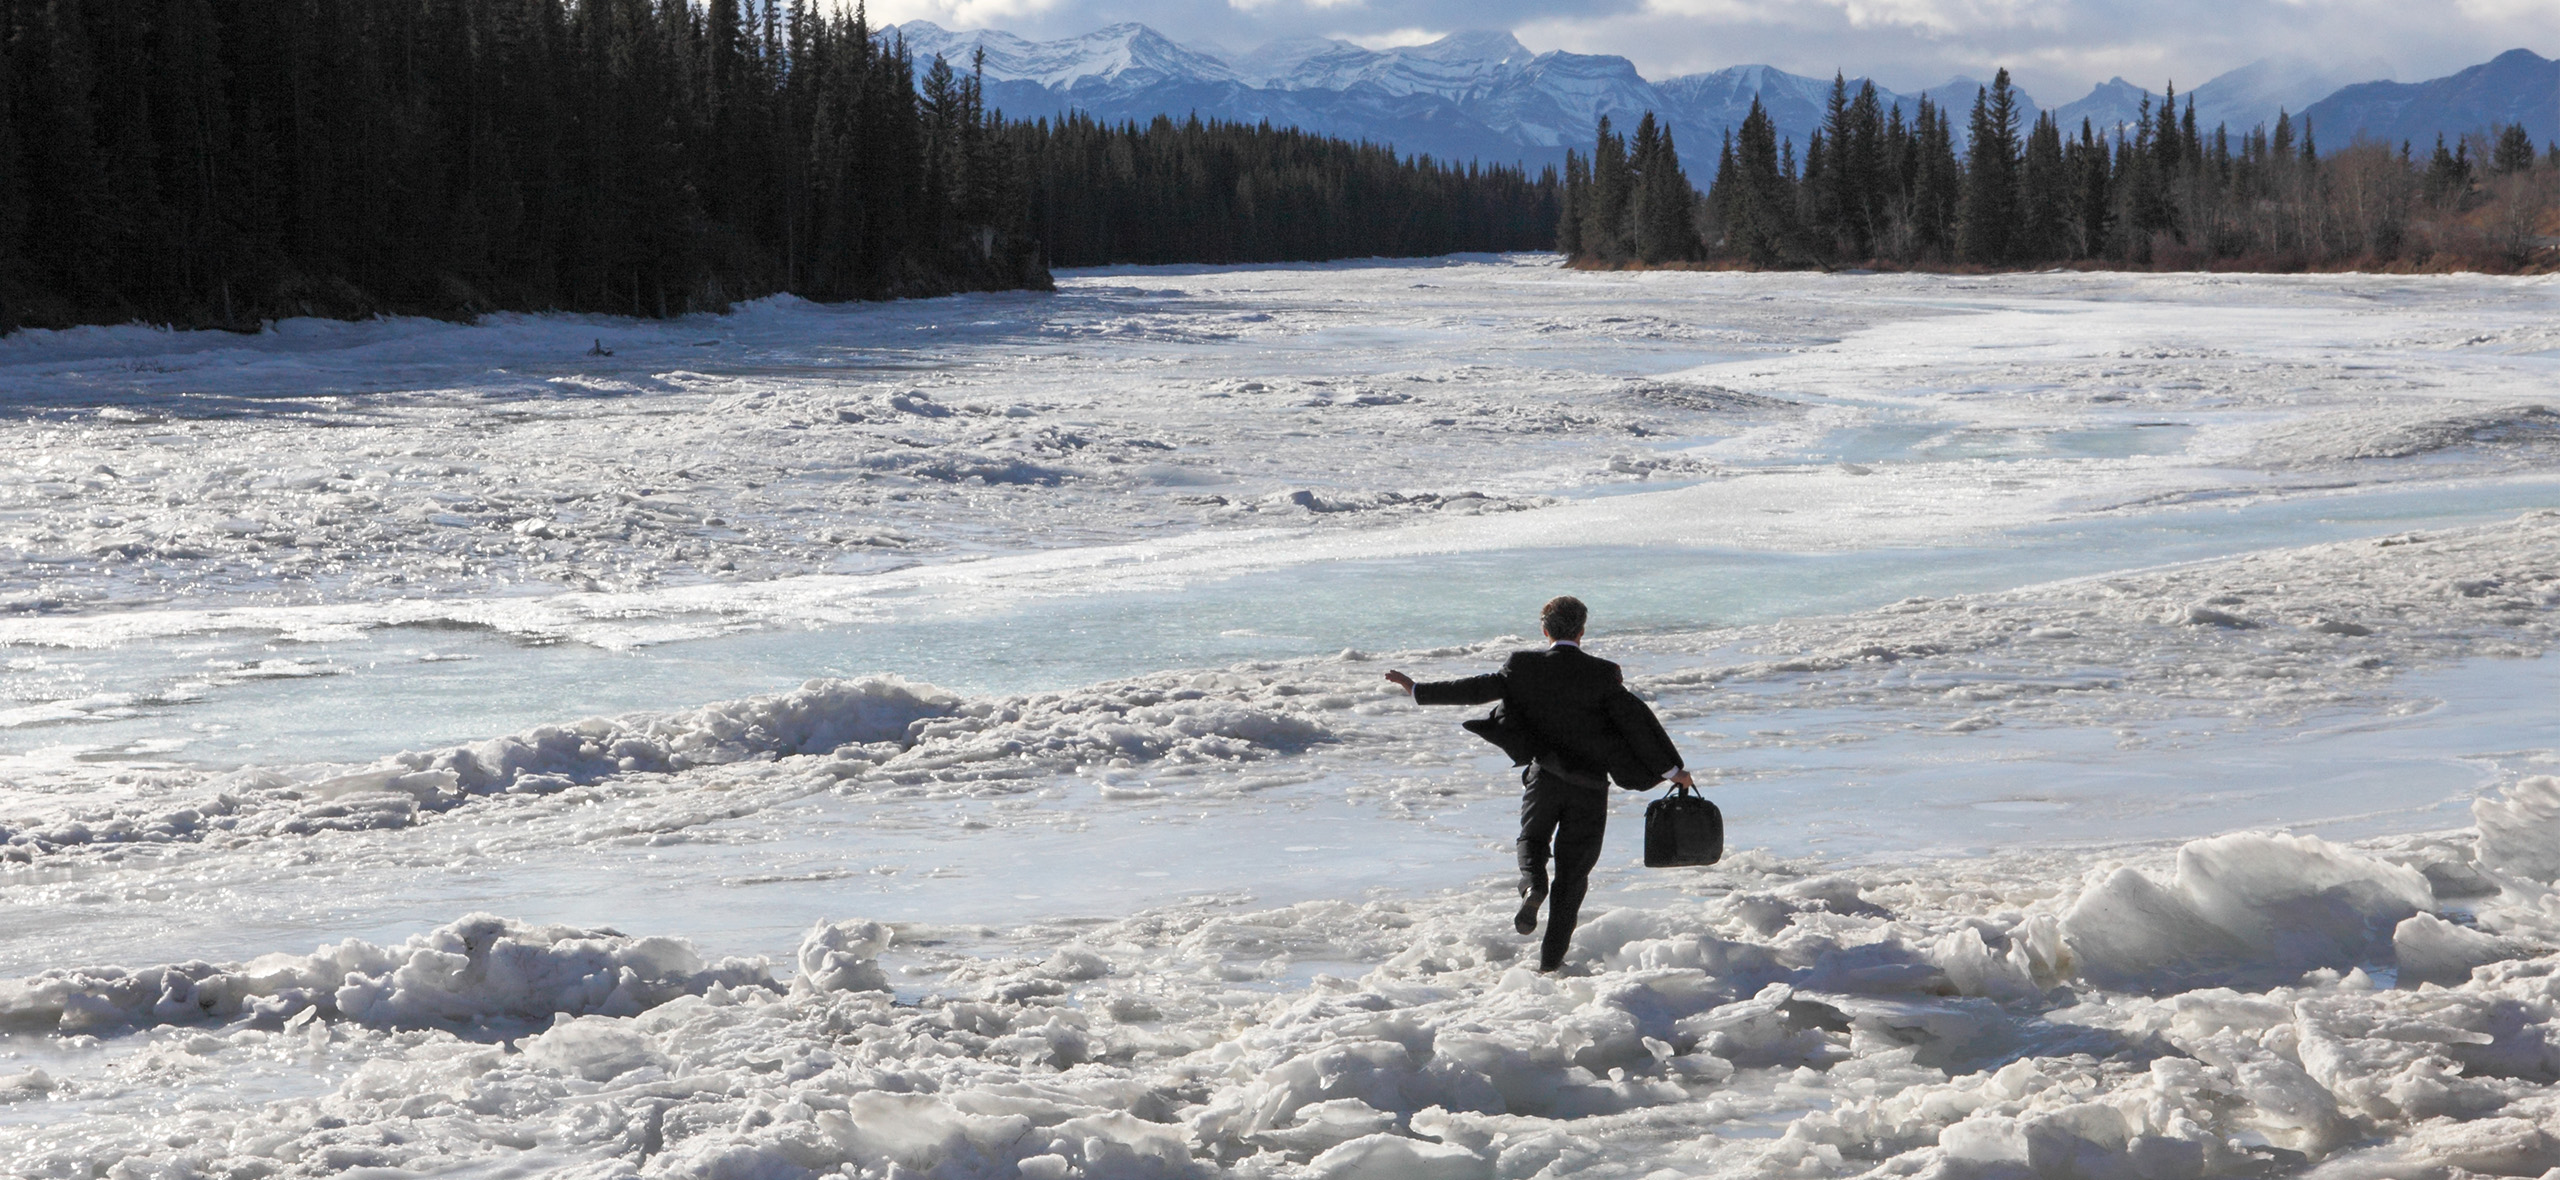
[(1568, 820)]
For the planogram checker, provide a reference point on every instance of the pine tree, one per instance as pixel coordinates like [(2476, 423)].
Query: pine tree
[(1865, 185), (1577, 186), (1666, 230), (2090, 170), (1834, 210), (13, 193), (2448, 171), (1723, 202), (2165, 140), (1938, 190), (2514, 152), (2044, 197), (1762, 204), (1991, 175), (1604, 227)]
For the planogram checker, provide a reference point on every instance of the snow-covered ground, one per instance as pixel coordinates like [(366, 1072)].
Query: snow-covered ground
[(2127, 696)]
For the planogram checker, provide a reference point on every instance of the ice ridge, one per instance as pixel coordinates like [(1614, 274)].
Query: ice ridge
[(877, 728)]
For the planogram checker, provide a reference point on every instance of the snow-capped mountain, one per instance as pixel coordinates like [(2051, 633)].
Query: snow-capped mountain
[(1476, 95), (1124, 56), (1485, 96)]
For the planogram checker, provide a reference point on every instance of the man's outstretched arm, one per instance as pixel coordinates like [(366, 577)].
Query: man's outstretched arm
[(1472, 690)]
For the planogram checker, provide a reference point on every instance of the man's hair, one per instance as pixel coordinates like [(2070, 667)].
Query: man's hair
[(1563, 617)]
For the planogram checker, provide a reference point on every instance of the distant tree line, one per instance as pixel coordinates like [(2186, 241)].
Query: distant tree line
[(1230, 192), (220, 162), (1875, 188)]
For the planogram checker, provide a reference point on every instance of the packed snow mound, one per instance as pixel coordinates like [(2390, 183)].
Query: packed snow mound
[(1925, 1021), (877, 715), (478, 970)]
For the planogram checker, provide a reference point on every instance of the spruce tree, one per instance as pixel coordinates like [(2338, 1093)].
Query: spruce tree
[(1723, 202), (1641, 151), (1834, 205), (1991, 174), (1938, 190), (2044, 197), (1577, 184), (1604, 226), (2091, 205), (1762, 212), (2514, 151), (1864, 184), (1666, 229)]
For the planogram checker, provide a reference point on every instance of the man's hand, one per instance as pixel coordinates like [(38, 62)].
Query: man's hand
[(1681, 776), (1401, 681)]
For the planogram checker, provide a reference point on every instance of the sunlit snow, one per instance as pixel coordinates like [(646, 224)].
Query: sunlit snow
[(948, 738)]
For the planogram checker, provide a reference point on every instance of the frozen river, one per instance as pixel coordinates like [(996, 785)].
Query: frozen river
[(2061, 648)]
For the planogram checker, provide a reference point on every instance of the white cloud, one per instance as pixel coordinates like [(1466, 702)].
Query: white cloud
[(961, 14), (1393, 38), (1261, 5)]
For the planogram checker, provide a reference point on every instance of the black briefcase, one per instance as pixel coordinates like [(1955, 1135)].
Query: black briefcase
[(1682, 828)]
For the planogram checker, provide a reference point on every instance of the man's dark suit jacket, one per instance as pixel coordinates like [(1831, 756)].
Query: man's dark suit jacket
[(1569, 707)]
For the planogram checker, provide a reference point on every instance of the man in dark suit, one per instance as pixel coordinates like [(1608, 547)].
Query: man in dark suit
[(1568, 719)]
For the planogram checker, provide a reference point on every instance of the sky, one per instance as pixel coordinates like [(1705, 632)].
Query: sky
[(2057, 49)]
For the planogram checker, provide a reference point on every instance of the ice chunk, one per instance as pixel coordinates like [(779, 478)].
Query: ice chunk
[(2432, 950), (2084, 1139), (597, 1048), (2520, 834), (1393, 1157), (2302, 899), (1322, 1126), (2283, 904), (2494, 1146), (842, 957)]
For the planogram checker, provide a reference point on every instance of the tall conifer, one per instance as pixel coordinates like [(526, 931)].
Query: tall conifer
[(1991, 174)]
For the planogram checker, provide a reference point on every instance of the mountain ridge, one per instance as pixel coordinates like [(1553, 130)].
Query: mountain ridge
[(1482, 95)]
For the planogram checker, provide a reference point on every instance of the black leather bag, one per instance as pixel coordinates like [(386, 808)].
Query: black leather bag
[(1682, 829)]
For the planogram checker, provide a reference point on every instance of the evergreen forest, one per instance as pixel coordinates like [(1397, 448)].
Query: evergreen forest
[(223, 162), (1227, 192), (1874, 187)]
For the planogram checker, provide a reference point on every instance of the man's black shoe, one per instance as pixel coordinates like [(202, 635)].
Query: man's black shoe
[(1533, 895)]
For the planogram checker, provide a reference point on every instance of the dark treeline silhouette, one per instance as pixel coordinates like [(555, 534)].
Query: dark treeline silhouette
[(220, 162), (1228, 192), (1876, 188)]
